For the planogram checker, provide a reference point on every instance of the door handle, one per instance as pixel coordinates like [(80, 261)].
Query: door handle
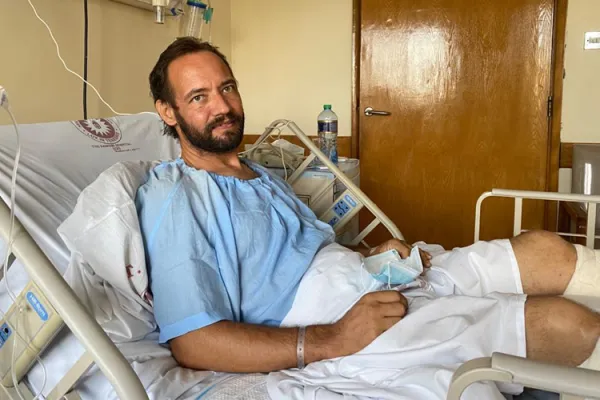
[(369, 112)]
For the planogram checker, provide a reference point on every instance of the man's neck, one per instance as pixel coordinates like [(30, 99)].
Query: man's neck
[(226, 164)]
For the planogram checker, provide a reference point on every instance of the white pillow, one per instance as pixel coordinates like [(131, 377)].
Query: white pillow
[(60, 159)]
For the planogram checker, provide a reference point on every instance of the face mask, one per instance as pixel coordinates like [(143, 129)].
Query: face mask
[(390, 268)]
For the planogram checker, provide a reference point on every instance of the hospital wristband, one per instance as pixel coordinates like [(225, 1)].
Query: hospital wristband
[(300, 347)]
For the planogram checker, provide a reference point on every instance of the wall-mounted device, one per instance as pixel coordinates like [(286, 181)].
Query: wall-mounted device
[(194, 14)]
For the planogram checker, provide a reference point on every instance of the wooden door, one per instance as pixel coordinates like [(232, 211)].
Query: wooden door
[(467, 84)]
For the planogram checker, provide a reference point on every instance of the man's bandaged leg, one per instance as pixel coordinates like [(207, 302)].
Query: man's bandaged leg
[(586, 278), (593, 362)]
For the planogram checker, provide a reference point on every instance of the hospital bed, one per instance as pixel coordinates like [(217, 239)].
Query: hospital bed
[(58, 161)]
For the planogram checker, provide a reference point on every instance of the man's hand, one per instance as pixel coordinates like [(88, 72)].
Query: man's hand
[(404, 249), (374, 314)]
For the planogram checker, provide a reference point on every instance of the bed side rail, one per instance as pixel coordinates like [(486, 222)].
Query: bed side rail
[(572, 383), (60, 295), (350, 202), (519, 195)]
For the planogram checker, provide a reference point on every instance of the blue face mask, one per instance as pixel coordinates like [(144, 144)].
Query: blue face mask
[(390, 268)]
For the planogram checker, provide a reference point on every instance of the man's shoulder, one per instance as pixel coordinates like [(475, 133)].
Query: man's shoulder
[(274, 178), (161, 178)]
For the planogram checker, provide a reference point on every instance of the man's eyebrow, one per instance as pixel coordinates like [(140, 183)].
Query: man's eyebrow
[(229, 82)]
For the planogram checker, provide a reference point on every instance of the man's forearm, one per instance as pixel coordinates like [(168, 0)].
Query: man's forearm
[(243, 348)]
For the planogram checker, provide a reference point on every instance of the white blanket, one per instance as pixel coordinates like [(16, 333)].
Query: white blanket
[(414, 359)]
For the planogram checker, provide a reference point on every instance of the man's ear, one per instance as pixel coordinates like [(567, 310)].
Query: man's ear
[(166, 112)]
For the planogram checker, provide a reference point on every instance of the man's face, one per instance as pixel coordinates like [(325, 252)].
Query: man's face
[(209, 110)]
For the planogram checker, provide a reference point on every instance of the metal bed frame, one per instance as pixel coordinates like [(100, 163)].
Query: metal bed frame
[(571, 383), (104, 353)]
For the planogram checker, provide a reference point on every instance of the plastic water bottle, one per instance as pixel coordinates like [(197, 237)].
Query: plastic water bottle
[(328, 130)]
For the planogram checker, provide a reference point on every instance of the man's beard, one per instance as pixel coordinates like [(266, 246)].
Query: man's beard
[(204, 139)]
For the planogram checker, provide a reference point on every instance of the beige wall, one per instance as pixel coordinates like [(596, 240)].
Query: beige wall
[(581, 115), (290, 58), (124, 43)]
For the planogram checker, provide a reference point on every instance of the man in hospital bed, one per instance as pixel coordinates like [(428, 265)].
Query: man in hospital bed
[(245, 278)]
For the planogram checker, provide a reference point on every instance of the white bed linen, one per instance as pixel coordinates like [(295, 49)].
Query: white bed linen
[(58, 160), (416, 358)]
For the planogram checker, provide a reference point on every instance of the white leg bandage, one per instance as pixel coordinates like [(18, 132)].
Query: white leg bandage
[(586, 279), (594, 361)]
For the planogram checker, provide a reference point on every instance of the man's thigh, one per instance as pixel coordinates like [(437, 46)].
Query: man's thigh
[(477, 270), (441, 333)]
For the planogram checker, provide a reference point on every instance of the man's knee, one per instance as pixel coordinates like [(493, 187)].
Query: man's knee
[(560, 330), (539, 237), (544, 240)]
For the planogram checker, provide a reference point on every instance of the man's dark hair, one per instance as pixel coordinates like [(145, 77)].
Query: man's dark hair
[(159, 81)]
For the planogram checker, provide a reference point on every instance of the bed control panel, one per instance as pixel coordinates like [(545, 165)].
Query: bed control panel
[(26, 329), (342, 211)]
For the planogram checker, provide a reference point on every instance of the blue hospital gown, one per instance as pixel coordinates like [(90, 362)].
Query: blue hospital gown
[(221, 248)]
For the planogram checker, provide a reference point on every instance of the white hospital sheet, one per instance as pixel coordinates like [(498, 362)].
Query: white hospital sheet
[(417, 357), (164, 379)]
